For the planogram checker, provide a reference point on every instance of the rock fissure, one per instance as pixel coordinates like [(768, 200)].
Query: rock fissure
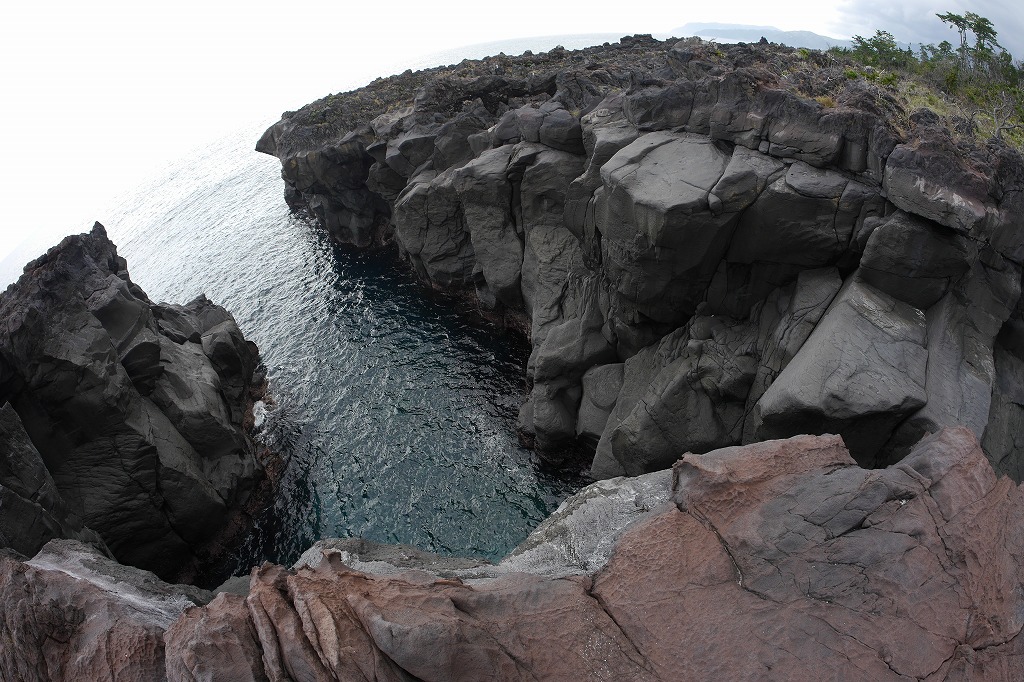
[(697, 516), (611, 616), (845, 635)]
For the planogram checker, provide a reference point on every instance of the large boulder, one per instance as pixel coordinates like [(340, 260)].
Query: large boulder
[(660, 239), (859, 373), (695, 403), (491, 218), (431, 231)]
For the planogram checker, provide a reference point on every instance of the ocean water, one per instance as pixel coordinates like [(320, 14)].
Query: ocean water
[(395, 409)]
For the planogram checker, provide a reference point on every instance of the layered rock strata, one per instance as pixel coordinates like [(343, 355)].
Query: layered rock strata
[(777, 560), (125, 418), (708, 245)]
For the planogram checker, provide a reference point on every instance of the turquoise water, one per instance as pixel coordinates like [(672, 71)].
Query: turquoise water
[(396, 410)]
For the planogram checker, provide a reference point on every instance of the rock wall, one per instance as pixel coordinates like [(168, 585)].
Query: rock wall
[(779, 560), (126, 418), (701, 252), (32, 510)]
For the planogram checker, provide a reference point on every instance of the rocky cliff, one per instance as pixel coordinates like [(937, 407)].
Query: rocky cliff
[(707, 258), (708, 245), (122, 420)]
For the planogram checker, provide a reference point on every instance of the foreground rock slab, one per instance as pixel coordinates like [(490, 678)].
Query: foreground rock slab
[(781, 560), (72, 614)]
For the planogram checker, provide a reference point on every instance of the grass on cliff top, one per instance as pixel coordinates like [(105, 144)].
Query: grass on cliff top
[(977, 87)]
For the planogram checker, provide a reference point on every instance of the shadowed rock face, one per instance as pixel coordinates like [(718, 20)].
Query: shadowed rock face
[(128, 413), (704, 255), (32, 511), (778, 560)]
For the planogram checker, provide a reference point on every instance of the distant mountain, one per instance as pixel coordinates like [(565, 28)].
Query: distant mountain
[(741, 33)]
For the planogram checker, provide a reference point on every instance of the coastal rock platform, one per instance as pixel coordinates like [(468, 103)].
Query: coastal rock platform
[(777, 560)]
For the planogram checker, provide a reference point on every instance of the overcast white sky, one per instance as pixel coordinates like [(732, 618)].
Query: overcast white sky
[(98, 95)]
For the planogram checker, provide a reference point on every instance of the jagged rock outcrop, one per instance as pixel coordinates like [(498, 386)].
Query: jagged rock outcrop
[(129, 417), (778, 560), (698, 226), (71, 613)]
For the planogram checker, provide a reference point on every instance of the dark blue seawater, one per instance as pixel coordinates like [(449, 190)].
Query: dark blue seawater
[(396, 411)]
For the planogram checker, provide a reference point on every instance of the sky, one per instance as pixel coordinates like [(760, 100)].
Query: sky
[(98, 96)]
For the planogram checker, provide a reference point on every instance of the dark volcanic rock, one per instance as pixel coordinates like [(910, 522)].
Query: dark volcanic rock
[(135, 408), (648, 206), (860, 372), (32, 511)]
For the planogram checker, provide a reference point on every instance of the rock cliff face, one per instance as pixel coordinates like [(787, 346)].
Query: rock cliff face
[(778, 560), (707, 260), (32, 510), (125, 418), (702, 253)]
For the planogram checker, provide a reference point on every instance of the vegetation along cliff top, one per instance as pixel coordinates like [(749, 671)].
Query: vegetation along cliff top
[(972, 84)]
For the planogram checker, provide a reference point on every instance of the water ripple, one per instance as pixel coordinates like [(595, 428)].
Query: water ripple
[(396, 413)]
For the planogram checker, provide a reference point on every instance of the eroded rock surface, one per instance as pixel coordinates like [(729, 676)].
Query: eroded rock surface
[(778, 560), (677, 220), (70, 613), (127, 415)]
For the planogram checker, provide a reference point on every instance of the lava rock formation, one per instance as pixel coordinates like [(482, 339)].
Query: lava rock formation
[(125, 417), (703, 250)]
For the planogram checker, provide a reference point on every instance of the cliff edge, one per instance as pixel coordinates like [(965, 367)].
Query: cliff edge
[(781, 560), (707, 245)]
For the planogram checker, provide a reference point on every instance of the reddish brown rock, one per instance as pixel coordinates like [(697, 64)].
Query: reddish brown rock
[(781, 560), (222, 643), (800, 564), (332, 623), (72, 614)]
